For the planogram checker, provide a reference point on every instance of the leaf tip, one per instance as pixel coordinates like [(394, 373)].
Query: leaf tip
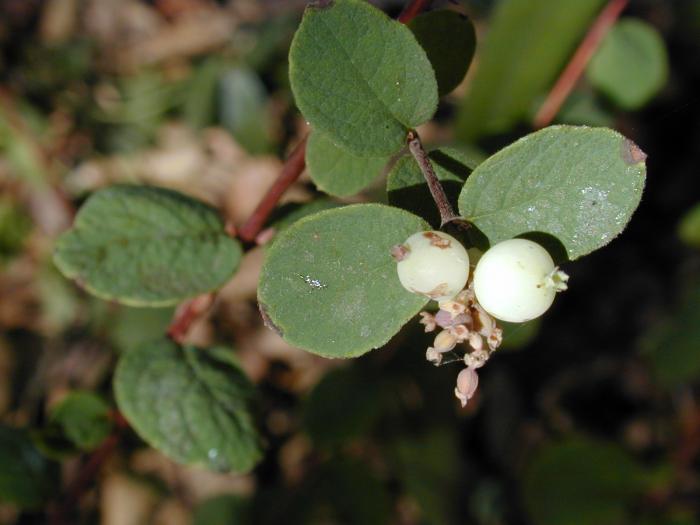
[(631, 153)]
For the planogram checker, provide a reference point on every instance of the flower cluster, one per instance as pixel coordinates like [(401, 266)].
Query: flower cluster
[(463, 321)]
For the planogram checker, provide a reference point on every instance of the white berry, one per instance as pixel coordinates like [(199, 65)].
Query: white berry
[(433, 264), (516, 280)]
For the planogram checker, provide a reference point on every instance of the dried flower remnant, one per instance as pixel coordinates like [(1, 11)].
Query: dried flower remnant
[(463, 321), (467, 381), (428, 320)]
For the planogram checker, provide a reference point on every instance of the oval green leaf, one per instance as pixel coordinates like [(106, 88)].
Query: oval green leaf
[(329, 284), (407, 189), (190, 403), (360, 77), (577, 184), (449, 40), (631, 65), (243, 109), (84, 419), (337, 171), (146, 246)]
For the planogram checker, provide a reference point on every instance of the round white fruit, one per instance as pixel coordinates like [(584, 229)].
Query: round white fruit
[(433, 264), (516, 280)]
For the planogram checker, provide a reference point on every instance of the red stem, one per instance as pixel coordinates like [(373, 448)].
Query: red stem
[(291, 171), (577, 64), (186, 314), (412, 10)]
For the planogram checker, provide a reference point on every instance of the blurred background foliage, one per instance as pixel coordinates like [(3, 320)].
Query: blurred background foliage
[(590, 417)]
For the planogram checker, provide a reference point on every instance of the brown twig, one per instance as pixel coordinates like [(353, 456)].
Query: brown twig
[(577, 64), (186, 314), (290, 173), (413, 9), (415, 146)]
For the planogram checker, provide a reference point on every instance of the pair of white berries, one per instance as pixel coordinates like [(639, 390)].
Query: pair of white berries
[(515, 280)]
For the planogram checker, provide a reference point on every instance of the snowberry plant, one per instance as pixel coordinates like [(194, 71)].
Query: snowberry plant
[(343, 281)]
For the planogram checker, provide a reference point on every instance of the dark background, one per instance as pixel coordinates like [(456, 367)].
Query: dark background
[(590, 416)]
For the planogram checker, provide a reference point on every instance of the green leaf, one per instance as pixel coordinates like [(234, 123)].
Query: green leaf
[(580, 482), (528, 43), (243, 109), (84, 418), (342, 407), (360, 77), (672, 345), (449, 40), (129, 328), (226, 509), (146, 246), (199, 105), (407, 188), (27, 479), (337, 171), (582, 108), (329, 284), (190, 403), (631, 65), (291, 212), (689, 227), (579, 185), (134, 119), (518, 335)]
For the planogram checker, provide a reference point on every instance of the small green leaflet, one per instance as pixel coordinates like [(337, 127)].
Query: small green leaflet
[(449, 41), (84, 419), (337, 171), (631, 65), (146, 246), (360, 77), (243, 110), (329, 284), (579, 185), (192, 404)]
